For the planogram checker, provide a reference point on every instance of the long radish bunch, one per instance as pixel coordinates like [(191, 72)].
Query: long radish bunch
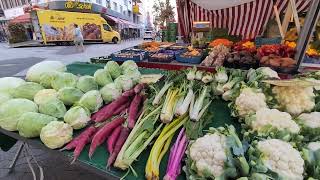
[(80, 141), (161, 146)]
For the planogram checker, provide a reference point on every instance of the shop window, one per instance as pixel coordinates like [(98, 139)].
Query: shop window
[(99, 1), (115, 6), (108, 5)]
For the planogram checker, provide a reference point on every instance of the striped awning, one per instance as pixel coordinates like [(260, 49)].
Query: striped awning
[(247, 20)]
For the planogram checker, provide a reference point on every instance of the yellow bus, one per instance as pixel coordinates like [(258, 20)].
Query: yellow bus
[(58, 27)]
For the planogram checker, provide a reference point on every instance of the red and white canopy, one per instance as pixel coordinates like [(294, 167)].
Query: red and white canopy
[(247, 19), (215, 5)]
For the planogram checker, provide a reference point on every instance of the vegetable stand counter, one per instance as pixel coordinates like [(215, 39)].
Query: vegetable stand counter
[(219, 109)]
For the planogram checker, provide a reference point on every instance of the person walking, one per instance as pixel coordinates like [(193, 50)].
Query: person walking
[(78, 38)]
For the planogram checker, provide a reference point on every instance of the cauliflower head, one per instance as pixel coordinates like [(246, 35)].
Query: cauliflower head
[(219, 154), (280, 157), (249, 101), (311, 120), (209, 154), (275, 119), (314, 146), (295, 100), (311, 156), (310, 125)]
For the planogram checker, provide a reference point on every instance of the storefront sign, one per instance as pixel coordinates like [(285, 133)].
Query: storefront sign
[(135, 9), (78, 5)]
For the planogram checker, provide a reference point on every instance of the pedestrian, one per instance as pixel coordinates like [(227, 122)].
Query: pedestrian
[(78, 38)]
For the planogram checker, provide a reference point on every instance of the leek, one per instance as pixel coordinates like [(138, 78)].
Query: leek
[(199, 75), (192, 74), (184, 106), (163, 90), (197, 106), (169, 105), (140, 137), (207, 78), (221, 75)]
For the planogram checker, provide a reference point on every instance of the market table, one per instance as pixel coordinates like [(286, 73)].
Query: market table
[(97, 165)]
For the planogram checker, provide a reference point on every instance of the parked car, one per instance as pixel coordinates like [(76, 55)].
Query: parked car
[(148, 35)]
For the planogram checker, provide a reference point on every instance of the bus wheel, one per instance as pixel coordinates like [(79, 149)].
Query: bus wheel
[(115, 40)]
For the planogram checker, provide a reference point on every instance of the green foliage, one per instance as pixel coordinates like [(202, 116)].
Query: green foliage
[(17, 33), (163, 12)]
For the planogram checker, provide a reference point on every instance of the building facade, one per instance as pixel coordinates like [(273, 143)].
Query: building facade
[(13, 8)]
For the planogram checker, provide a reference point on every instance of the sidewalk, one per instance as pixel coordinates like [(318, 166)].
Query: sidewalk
[(31, 43)]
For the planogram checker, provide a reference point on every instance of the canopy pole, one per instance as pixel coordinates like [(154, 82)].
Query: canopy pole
[(307, 30)]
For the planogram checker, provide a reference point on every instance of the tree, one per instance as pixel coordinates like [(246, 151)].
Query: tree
[(163, 12)]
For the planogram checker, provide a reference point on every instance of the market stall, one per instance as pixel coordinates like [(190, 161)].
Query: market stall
[(89, 126), (228, 108)]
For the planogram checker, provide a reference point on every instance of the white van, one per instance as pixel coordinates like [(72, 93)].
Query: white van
[(148, 35)]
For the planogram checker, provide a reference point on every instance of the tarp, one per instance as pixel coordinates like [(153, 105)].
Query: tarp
[(128, 24), (247, 20), (116, 20), (215, 5), (26, 18)]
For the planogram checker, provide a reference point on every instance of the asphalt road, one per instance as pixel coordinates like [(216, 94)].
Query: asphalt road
[(15, 61)]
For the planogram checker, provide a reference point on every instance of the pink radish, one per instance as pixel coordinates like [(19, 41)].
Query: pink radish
[(133, 110), (108, 111), (125, 131), (86, 134), (121, 108), (103, 134), (138, 88), (112, 139)]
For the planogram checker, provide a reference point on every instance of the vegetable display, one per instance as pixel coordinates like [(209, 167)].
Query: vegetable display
[(34, 73), (45, 95), (11, 111), (91, 100), (8, 84), (30, 124), (62, 80), (27, 90), (87, 83), (53, 107), (165, 129), (56, 134), (69, 95)]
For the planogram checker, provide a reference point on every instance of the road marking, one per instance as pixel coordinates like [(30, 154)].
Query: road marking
[(6, 65)]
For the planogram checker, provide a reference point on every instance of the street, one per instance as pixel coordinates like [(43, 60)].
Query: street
[(15, 62)]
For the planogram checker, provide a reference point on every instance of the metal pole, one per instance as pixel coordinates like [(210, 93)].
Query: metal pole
[(307, 30), (16, 157)]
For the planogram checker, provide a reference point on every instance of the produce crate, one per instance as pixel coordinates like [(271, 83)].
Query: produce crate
[(136, 50), (259, 41), (134, 57), (312, 60), (100, 60), (191, 60), (159, 60)]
